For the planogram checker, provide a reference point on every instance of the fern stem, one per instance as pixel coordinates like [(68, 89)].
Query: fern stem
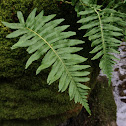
[(67, 2), (83, 3), (102, 34)]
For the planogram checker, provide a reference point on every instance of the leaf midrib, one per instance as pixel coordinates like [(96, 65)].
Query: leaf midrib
[(102, 34)]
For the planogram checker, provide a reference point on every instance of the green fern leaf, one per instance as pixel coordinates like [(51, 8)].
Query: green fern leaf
[(44, 38), (104, 30)]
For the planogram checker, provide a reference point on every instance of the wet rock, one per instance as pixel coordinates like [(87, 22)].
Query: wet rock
[(122, 56), (119, 83), (123, 44), (113, 123), (123, 100), (116, 69), (124, 84), (122, 76), (122, 89), (123, 66), (124, 49), (122, 93)]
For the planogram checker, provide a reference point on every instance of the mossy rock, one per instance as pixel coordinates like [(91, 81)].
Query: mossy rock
[(25, 96), (102, 103)]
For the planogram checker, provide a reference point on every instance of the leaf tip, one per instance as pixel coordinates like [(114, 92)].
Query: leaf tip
[(26, 66), (37, 72), (93, 58), (8, 36), (109, 82), (2, 22), (13, 47)]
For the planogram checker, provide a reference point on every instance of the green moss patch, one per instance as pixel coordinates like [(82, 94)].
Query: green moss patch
[(102, 104)]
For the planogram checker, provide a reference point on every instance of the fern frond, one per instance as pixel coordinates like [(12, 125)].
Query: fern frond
[(104, 30), (43, 37)]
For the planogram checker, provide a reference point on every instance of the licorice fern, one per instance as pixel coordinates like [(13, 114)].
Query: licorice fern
[(44, 38), (104, 30)]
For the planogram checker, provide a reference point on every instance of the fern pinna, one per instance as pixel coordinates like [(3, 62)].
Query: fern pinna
[(104, 30), (43, 37)]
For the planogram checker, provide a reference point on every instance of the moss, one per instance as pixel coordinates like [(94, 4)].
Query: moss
[(102, 104)]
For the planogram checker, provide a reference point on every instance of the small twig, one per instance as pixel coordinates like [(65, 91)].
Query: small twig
[(83, 3), (67, 2), (88, 5)]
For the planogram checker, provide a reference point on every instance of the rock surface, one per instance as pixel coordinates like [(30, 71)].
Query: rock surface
[(119, 85)]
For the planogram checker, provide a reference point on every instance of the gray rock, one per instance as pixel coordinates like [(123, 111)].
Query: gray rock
[(122, 56), (116, 69), (123, 100), (122, 76), (123, 66)]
